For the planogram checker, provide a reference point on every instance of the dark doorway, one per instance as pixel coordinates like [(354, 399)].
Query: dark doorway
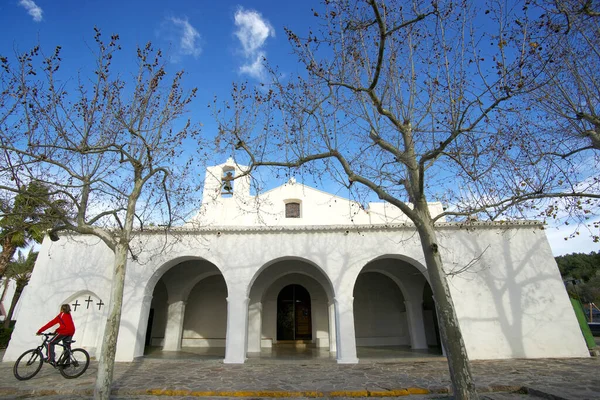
[(149, 328), (432, 328), (293, 314)]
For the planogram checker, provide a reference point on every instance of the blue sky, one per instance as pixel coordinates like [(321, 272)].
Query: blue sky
[(215, 42)]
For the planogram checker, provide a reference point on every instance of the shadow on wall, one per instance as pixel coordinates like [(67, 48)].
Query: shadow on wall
[(205, 321), (62, 278), (379, 311), (528, 300), (89, 316)]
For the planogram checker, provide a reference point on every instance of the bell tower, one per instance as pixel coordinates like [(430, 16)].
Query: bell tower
[(226, 181)]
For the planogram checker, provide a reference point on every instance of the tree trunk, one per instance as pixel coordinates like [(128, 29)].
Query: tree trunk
[(458, 360), (4, 289), (8, 251), (13, 304), (111, 332)]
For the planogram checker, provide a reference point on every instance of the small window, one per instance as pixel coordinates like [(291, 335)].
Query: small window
[(292, 210)]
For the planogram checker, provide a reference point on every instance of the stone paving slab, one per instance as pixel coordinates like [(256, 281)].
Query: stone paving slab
[(558, 379)]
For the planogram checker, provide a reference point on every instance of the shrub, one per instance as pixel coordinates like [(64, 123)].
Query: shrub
[(5, 334)]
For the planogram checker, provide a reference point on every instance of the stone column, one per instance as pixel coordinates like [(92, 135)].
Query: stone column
[(416, 324), (332, 339), (346, 338), (237, 328), (174, 330), (254, 327)]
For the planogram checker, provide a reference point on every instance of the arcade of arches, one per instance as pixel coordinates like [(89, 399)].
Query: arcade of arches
[(292, 310)]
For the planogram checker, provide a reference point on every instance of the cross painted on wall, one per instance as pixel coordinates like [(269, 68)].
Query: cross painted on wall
[(88, 301)]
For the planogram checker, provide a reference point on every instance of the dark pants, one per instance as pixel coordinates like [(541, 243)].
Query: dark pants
[(52, 342)]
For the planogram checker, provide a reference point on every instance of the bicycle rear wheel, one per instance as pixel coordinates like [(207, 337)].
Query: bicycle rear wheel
[(28, 364), (73, 365)]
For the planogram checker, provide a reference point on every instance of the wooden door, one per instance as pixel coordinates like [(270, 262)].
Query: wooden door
[(294, 314)]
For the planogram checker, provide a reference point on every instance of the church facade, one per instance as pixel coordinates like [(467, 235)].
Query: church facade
[(296, 264)]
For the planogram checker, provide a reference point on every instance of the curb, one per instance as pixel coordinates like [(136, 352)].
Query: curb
[(284, 394), (400, 392)]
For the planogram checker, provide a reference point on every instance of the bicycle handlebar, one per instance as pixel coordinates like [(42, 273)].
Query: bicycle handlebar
[(47, 335)]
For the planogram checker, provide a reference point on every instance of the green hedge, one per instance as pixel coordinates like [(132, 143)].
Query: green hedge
[(5, 336)]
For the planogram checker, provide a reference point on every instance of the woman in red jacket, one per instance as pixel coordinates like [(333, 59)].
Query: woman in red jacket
[(65, 331)]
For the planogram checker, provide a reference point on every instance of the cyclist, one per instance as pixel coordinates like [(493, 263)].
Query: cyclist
[(65, 331)]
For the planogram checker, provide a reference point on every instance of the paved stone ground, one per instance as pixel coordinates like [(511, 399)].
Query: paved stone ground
[(186, 379)]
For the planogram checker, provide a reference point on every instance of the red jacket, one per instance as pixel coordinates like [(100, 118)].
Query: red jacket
[(65, 322)]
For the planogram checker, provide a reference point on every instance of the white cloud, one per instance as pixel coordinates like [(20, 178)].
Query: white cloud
[(33, 9), (255, 69), (252, 31), (186, 37)]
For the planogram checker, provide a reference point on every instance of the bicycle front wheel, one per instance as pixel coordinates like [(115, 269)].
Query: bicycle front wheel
[(28, 364), (74, 364)]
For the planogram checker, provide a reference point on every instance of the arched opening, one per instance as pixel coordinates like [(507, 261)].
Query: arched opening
[(89, 315), (294, 314), (227, 181), (291, 312), (394, 314), (188, 311), (379, 311)]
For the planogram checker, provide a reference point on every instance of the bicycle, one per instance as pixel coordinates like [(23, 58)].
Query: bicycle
[(71, 363)]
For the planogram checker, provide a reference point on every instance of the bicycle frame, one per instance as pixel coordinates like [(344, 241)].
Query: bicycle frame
[(72, 363), (43, 347)]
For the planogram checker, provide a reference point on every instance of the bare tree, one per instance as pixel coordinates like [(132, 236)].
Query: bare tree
[(412, 102), (572, 100), (109, 147), (562, 117)]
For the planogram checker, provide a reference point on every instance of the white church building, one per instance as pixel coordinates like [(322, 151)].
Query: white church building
[(294, 264)]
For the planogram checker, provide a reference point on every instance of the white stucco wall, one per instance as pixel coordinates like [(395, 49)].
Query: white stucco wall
[(511, 303), (241, 208), (67, 271), (205, 321)]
